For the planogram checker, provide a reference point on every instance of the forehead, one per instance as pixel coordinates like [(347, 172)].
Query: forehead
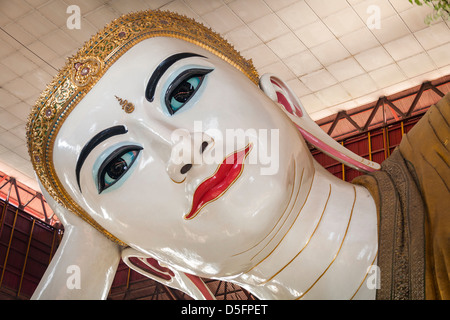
[(137, 65), (127, 79)]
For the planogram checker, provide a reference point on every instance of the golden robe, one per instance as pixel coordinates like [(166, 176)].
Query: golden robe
[(412, 193)]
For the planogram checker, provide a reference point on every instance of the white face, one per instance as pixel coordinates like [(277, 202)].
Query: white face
[(132, 182)]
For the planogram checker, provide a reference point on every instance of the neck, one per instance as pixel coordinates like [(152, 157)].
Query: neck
[(325, 249)]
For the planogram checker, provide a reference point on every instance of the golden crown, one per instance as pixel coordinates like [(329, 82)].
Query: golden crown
[(87, 66)]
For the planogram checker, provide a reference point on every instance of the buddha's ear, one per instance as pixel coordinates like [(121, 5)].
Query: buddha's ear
[(150, 267), (277, 90)]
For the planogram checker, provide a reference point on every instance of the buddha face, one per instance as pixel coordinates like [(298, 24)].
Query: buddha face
[(178, 154)]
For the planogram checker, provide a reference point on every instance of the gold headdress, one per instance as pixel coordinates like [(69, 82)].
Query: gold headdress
[(85, 68)]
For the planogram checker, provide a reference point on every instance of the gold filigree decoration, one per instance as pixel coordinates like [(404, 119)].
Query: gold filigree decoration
[(85, 70), (121, 34), (88, 65)]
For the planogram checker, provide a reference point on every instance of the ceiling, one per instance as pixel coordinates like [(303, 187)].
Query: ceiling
[(332, 53)]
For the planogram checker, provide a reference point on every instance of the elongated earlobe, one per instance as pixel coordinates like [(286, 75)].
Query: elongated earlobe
[(279, 91), (150, 267)]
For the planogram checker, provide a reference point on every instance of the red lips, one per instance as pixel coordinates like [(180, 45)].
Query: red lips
[(216, 185)]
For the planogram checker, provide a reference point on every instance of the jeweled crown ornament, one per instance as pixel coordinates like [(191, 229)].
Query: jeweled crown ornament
[(88, 65)]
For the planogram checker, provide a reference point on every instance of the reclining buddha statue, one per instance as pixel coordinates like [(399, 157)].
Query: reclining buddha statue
[(159, 144)]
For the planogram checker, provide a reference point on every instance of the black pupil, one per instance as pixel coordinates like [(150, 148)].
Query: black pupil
[(183, 92), (116, 168)]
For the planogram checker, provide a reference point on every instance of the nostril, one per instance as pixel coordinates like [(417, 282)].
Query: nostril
[(204, 145), (186, 168)]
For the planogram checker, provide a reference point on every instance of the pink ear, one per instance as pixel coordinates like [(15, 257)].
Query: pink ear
[(287, 103), (198, 282), (279, 91), (150, 267)]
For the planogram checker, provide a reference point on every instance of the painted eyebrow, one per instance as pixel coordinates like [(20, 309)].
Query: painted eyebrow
[(161, 69), (95, 141)]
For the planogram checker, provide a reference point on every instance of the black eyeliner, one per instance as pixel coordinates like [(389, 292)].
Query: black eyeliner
[(95, 141), (116, 153), (179, 79), (161, 69)]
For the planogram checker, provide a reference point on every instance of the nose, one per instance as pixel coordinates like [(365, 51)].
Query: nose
[(186, 154), (186, 168)]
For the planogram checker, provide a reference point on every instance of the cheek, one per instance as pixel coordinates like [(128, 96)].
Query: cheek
[(148, 209)]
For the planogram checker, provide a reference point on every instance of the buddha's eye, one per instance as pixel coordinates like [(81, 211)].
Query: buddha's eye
[(183, 88), (116, 165)]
